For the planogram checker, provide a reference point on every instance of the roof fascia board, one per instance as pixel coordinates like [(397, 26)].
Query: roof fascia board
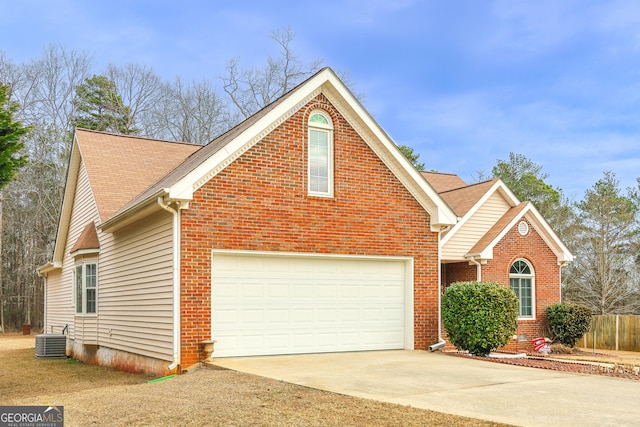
[(184, 188), (71, 182), (329, 84), (133, 214), (498, 185), (507, 193), (48, 268), (371, 132), (84, 252), (540, 225), (548, 235), (487, 252)]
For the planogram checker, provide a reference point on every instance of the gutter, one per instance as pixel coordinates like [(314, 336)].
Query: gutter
[(176, 279), (441, 342), (132, 213)]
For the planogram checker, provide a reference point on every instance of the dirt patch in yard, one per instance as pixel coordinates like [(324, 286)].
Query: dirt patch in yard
[(99, 396)]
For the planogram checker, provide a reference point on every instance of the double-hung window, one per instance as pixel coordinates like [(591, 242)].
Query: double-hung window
[(86, 280), (521, 278), (320, 148)]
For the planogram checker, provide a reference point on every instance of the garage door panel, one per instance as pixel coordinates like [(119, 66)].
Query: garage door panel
[(226, 316), (303, 341), (279, 316), (308, 341), (302, 315), (302, 291), (286, 305), (307, 318)]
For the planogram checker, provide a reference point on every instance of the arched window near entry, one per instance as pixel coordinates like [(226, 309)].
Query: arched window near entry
[(522, 280)]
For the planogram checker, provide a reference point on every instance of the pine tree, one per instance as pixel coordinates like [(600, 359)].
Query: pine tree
[(11, 144), (101, 108), (410, 154), (602, 277), (11, 159)]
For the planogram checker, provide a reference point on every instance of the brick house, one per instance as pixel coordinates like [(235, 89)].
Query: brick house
[(303, 229), (500, 239)]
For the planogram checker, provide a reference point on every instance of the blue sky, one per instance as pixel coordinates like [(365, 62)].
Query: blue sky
[(462, 82)]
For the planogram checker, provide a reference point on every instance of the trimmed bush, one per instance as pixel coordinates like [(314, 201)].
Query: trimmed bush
[(479, 316), (568, 322)]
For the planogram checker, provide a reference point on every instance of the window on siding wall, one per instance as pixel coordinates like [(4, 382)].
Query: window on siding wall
[(85, 288), (522, 281), (320, 148)]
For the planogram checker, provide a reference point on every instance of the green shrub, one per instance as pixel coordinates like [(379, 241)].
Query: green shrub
[(479, 316), (568, 322)]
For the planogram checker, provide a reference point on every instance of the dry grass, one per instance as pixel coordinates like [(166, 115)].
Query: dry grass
[(99, 396), (603, 356)]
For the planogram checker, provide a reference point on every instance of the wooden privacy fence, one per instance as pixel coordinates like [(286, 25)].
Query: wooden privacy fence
[(614, 332)]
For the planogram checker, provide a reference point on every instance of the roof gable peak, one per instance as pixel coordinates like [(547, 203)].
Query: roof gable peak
[(197, 169), (483, 249)]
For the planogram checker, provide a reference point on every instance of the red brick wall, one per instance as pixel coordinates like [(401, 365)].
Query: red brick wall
[(260, 202), (547, 277), (458, 272)]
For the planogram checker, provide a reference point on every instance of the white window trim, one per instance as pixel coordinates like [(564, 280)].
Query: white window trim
[(329, 130), (531, 276), (83, 311)]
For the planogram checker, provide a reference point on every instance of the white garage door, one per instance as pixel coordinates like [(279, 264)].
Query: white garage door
[(265, 303)]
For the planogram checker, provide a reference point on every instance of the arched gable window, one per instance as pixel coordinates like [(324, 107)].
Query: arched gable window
[(320, 148), (521, 278)]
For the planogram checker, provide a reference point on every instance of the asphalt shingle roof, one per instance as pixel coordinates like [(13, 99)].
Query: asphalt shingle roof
[(120, 167), (461, 200), (88, 239), (443, 181)]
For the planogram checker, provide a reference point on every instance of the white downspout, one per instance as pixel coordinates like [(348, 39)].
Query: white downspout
[(478, 269), (176, 280), (441, 342), (561, 264)]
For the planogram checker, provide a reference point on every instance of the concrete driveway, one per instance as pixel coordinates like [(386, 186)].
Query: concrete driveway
[(455, 385)]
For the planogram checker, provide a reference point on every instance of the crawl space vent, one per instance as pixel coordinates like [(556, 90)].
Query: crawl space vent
[(51, 345)]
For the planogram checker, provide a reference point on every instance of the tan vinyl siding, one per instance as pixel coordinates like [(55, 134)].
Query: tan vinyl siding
[(59, 305), (475, 227), (87, 328), (135, 302), (84, 212)]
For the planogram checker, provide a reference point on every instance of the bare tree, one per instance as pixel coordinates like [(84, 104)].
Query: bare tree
[(250, 89), (44, 89), (140, 89), (479, 176), (52, 82), (192, 113)]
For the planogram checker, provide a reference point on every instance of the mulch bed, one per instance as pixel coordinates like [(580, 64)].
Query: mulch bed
[(578, 367)]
